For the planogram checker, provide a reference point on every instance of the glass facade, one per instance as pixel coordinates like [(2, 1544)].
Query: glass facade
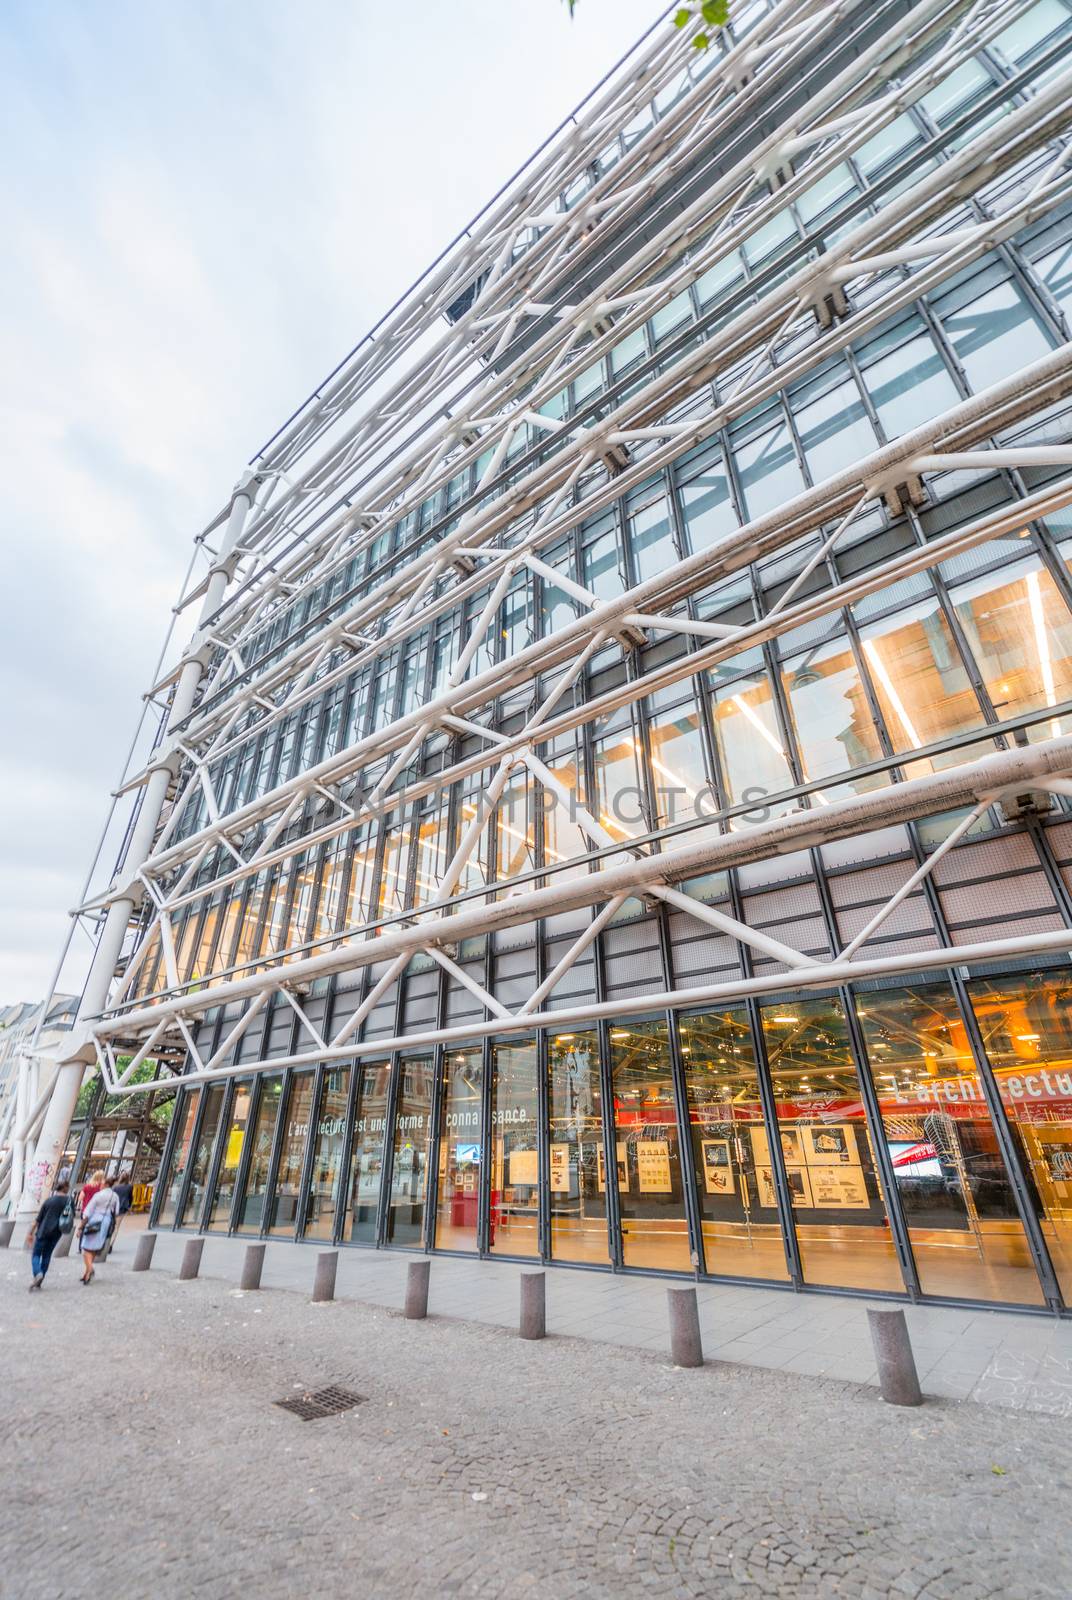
[(539, 1070)]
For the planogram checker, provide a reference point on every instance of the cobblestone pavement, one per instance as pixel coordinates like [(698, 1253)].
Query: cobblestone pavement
[(145, 1456)]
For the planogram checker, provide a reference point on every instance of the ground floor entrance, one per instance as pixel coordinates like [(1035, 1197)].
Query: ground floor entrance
[(905, 1140)]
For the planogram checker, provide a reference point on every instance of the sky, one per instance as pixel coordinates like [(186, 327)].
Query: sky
[(205, 204)]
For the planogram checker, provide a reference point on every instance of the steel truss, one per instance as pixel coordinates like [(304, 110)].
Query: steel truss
[(537, 293)]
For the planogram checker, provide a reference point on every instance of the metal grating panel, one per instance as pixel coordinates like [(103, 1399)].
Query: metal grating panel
[(315, 1403)]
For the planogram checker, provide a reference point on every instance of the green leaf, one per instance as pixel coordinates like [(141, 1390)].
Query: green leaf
[(682, 18), (999, 1472), (716, 13), (701, 42)]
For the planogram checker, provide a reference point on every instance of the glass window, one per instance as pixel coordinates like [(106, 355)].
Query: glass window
[(707, 505), (515, 1166), (834, 430), (966, 1236), (1019, 630), (750, 749), (206, 1138), (920, 680), (458, 1186), (652, 540), (251, 1210), (651, 1196), (768, 471), (409, 1155), (578, 1195), (284, 1202), (1055, 271), (1026, 1022), (909, 386), (995, 335), (230, 1157), (618, 792), (171, 1185), (831, 717), (841, 1222), (329, 1142), (366, 1155), (677, 760), (741, 1231)]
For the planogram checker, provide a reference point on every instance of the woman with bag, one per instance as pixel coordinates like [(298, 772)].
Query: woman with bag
[(47, 1231), (97, 1221)]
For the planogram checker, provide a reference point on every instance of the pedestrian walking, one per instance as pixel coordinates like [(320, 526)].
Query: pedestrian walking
[(97, 1219), (123, 1190), (48, 1229)]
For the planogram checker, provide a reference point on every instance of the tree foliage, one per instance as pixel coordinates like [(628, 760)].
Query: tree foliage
[(715, 14)]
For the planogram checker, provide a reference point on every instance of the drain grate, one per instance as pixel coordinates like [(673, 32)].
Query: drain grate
[(316, 1403)]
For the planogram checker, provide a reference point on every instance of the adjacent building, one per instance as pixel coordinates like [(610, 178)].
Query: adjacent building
[(616, 806)]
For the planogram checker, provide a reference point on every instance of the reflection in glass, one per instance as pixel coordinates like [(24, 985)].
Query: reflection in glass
[(962, 1221), (409, 1155), (284, 1204), (171, 1184), (831, 718), (1020, 633), (329, 1138), (251, 1210), (515, 1165), (366, 1154), (739, 1217), (578, 1198), (678, 775), (1026, 1024), (751, 753), (458, 1181), (206, 1138), (230, 1157), (651, 1198), (919, 678), (842, 1230)]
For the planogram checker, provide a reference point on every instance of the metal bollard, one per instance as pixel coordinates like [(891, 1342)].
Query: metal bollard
[(7, 1228), (252, 1267), (686, 1347), (324, 1282), (417, 1289), (191, 1258), (64, 1246), (143, 1253), (533, 1305), (897, 1376)]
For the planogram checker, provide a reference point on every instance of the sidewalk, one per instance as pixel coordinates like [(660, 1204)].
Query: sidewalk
[(991, 1357)]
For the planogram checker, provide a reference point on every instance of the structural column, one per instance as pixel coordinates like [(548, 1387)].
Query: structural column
[(57, 1120)]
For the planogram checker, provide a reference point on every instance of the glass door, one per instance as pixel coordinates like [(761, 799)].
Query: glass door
[(251, 1205), (284, 1202), (230, 1157), (515, 1160), (458, 1185), (409, 1154), (366, 1155), (578, 1199), (205, 1138), (171, 1186), (329, 1143)]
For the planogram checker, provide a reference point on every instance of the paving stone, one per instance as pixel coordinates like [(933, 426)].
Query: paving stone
[(482, 1466)]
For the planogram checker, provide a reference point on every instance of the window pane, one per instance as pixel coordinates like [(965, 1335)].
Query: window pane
[(910, 386), (230, 1157), (768, 471), (284, 1202), (329, 1140), (652, 541), (251, 1211), (1027, 1027), (741, 1231), (995, 335), (750, 750), (458, 1187), (409, 1165), (707, 506), (515, 1168), (651, 1197), (1020, 633), (366, 1155), (206, 1138), (578, 1197), (184, 1127), (833, 724), (966, 1237), (841, 1221), (919, 678), (834, 430), (677, 761)]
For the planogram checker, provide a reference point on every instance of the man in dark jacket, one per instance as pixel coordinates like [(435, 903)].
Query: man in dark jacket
[(46, 1233)]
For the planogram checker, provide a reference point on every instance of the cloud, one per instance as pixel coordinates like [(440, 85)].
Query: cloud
[(205, 213)]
